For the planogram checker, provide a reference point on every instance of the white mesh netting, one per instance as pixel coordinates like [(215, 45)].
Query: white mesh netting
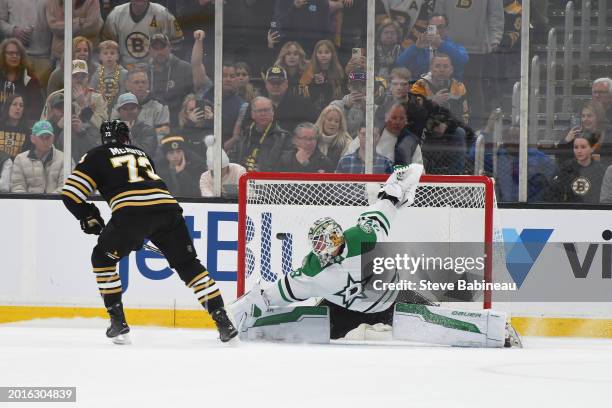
[(279, 213)]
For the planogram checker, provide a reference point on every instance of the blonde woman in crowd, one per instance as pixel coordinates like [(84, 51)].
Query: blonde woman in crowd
[(333, 138), (292, 59)]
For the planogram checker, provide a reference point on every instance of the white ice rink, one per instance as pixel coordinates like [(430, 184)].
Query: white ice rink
[(189, 368)]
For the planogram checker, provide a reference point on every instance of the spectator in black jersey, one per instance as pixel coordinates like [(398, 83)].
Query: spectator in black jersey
[(579, 179), (306, 21), (305, 157), (170, 77), (142, 134), (444, 143), (181, 168), (289, 109), (16, 77), (14, 130), (292, 59)]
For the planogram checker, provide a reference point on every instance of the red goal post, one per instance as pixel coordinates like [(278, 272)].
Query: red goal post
[(269, 192)]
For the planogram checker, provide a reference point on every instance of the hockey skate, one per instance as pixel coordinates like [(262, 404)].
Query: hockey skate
[(512, 337), (118, 329), (227, 331)]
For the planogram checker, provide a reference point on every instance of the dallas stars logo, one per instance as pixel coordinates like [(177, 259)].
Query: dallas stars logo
[(351, 292)]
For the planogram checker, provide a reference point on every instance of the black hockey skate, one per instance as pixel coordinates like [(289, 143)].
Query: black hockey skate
[(118, 329), (512, 337), (227, 331)]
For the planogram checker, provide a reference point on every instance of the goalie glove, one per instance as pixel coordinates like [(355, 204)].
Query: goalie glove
[(402, 184), (93, 223)]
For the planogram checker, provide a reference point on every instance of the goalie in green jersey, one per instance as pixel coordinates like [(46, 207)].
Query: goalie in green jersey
[(348, 306)]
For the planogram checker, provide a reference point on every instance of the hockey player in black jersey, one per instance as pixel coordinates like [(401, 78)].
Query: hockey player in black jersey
[(141, 208)]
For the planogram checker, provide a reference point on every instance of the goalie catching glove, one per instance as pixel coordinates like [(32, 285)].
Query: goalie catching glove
[(400, 188), (93, 223)]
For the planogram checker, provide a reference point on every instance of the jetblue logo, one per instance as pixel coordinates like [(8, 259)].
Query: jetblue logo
[(523, 250)]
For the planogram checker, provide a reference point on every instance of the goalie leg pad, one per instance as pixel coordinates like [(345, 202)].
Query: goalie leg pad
[(302, 324), (452, 327)]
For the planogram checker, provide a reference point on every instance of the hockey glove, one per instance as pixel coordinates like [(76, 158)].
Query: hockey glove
[(93, 223), (402, 184)]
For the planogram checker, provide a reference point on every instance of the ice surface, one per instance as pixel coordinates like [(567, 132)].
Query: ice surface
[(190, 368)]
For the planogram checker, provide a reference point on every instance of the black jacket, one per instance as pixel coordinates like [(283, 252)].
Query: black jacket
[(187, 182), (318, 163), (276, 143)]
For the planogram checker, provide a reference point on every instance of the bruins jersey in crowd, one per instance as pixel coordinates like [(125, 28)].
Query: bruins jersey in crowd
[(124, 175), (134, 36)]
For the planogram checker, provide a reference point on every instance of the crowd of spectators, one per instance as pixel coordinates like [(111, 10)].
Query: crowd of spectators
[(293, 90)]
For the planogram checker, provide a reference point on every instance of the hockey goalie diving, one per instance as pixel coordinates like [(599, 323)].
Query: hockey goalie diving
[(331, 275)]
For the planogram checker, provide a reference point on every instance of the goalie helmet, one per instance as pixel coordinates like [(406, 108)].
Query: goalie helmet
[(114, 131), (325, 237)]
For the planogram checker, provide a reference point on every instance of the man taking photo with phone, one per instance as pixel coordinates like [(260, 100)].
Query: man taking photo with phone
[(434, 40)]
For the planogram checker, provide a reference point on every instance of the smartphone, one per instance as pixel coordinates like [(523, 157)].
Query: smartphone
[(201, 104), (575, 121), (356, 53), (432, 30)]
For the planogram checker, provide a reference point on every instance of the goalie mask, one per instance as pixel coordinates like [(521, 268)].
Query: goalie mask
[(325, 237), (114, 131)]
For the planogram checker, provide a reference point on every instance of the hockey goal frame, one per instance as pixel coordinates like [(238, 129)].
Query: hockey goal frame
[(486, 182)]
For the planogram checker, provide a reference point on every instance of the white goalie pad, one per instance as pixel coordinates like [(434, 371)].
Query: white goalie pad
[(452, 327), (302, 324)]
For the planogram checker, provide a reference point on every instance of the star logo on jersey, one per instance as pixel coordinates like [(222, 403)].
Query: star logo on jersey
[(351, 292)]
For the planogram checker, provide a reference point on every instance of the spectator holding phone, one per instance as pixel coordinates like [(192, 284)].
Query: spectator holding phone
[(592, 120), (195, 120), (439, 87), (353, 105), (434, 40), (323, 80)]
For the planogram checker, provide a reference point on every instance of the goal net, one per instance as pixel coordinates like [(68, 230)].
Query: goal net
[(277, 209)]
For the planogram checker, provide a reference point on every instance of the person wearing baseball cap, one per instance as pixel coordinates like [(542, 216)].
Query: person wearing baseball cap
[(171, 78), (181, 168), (353, 104), (142, 134), (290, 110), (41, 169)]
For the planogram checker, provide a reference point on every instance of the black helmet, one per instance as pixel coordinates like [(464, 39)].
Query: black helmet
[(114, 131)]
